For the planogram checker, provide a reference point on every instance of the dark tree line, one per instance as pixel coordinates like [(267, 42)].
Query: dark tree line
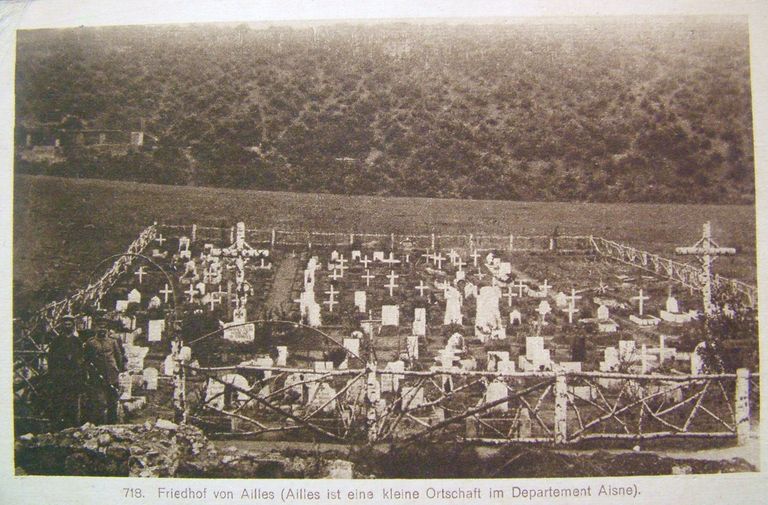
[(607, 111)]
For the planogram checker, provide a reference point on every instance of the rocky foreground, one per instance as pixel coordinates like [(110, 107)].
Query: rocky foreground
[(164, 449)]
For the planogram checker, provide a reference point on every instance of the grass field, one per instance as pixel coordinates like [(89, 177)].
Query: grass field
[(64, 227)]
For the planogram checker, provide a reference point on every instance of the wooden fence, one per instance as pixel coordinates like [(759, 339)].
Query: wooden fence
[(400, 407)]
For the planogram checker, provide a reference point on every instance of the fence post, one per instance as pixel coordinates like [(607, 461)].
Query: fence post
[(392, 242), (741, 409), (351, 238), (274, 236), (511, 242), (371, 399), (194, 232), (471, 241), (232, 234), (433, 241), (561, 408)]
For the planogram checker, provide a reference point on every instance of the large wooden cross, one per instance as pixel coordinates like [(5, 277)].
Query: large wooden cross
[(706, 250)]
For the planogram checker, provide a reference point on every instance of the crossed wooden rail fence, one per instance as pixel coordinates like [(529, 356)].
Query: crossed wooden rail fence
[(401, 407)]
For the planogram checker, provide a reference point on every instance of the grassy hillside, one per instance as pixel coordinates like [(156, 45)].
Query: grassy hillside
[(647, 110), (64, 227)]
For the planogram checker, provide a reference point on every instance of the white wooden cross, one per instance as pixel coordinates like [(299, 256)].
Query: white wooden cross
[(520, 285), (572, 298), (141, 273), (165, 292), (510, 295), (453, 255), (330, 303), (640, 298), (545, 287), (421, 287), (342, 264), (365, 261), (571, 310), (706, 250), (159, 239), (214, 299), (439, 258), (391, 259), (331, 293), (571, 305), (474, 257), (392, 276), (460, 263), (368, 277), (335, 275), (191, 293), (428, 255)]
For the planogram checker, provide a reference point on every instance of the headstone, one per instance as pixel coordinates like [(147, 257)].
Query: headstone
[(505, 367), (488, 322), (515, 317), (420, 321), (390, 315), (627, 350), (672, 305), (378, 256), (470, 290), (544, 309), (534, 347), (603, 314), (352, 345), (154, 302), (149, 376), (134, 296), (496, 391), (240, 332), (356, 255), (169, 365), (452, 306), (610, 361), (561, 300), (155, 329), (461, 275), (282, 355), (135, 355), (360, 301), (121, 305), (215, 393), (324, 397), (185, 354), (391, 382), (412, 397)]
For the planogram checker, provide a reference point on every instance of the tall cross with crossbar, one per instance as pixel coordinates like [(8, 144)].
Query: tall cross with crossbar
[(706, 250)]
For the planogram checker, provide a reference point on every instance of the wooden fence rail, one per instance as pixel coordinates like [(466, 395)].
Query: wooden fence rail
[(401, 407)]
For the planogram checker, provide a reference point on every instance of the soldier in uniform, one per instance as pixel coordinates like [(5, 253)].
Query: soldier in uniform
[(105, 360), (66, 374)]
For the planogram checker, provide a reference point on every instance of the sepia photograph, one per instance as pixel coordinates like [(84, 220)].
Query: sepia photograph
[(405, 248)]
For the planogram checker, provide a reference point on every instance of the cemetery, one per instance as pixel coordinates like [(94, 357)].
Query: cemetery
[(369, 338)]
